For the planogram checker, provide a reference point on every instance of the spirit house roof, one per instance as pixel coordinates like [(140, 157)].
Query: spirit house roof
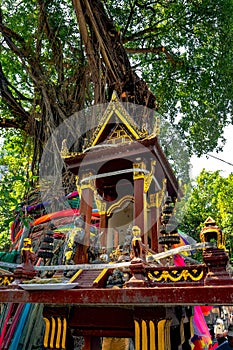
[(117, 143)]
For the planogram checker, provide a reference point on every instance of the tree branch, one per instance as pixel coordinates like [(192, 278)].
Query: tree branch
[(8, 123), (53, 40), (103, 47), (154, 50), (141, 33), (12, 103), (129, 19), (120, 76)]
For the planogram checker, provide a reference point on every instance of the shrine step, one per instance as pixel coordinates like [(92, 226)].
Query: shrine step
[(88, 278)]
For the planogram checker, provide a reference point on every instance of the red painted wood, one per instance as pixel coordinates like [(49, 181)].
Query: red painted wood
[(154, 229), (200, 295), (139, 204), (103, 229)]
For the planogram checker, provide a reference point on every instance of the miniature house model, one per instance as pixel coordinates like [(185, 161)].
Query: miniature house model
[(126, 298), (124, 170)]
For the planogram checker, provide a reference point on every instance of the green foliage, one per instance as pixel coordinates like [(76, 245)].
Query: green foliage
[(186, 59), (210, 195), (181, 49), (14, 179)]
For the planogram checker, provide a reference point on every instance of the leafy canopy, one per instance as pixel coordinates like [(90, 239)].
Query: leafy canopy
[(57, 58), (15, 158), (183, 50)]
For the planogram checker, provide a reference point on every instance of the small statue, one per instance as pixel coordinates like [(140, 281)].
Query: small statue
[(137, 242), (128, 239), (25, 271), (27, 255), (116, 279), (104, 256), (74, 240)]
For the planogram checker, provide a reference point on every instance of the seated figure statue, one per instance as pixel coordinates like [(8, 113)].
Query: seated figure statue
[(137, 242)]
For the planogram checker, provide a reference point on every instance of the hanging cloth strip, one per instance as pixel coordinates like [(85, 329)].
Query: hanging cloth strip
[(34, 325), (18, 332), (12, 327), (5, 321), (51, 216)]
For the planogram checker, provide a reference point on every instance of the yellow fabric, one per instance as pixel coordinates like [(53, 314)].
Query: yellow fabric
[(46, 335), (115, 344), (152, 335), (52, 333), (63, 344), (161, 334), (144, 335), (137, 335), (58, 333)]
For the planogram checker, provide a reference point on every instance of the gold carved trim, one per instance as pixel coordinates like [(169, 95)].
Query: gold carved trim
[(176, 275), (152, 201), (86, 182), (6, 280), (89, 183), (46, 333), (65, 153), (119, 135), (160, 195), (148, 177), (117, 205), (139, 174), (144, 335), (156, 130), (164, 337), (101, 205), (147, 182), (115, 106)]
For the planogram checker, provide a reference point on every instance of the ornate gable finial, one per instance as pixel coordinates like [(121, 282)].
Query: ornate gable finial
[(114, 96), (210, 221), (116, 108)]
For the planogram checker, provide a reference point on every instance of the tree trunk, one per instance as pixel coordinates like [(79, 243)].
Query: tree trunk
[(107, 55)]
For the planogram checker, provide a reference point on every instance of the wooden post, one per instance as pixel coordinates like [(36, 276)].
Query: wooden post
[(103, 229), (116, 238), (154, 228), (86, 204), (139, 198)]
